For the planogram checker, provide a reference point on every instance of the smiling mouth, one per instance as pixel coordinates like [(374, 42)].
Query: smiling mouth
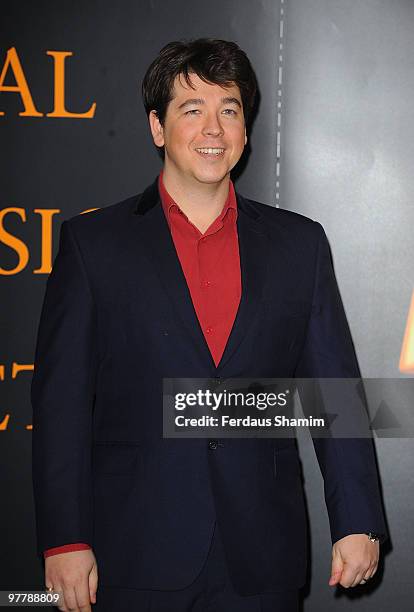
[(210, 151)]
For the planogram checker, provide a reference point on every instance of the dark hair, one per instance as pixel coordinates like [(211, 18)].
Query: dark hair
[(215, 61)]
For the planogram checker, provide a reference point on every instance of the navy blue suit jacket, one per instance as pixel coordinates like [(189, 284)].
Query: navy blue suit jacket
[(117, 318)]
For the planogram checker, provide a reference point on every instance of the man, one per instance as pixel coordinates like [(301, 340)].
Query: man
[(189, 279)]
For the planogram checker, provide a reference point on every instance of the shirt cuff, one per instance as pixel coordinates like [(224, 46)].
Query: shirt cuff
[(57, 550)]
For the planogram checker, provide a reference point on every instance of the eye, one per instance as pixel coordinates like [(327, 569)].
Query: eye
[(192, 112), (230, 111)]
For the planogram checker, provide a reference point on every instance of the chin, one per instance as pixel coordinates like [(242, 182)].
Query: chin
[(210, 177)]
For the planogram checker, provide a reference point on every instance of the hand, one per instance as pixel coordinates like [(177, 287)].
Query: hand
[(75, 576), (354, 560)]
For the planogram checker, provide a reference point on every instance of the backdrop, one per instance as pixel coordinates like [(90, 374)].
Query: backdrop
[(332, 140)]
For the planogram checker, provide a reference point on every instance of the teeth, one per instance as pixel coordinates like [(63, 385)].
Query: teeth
[(214, 151)]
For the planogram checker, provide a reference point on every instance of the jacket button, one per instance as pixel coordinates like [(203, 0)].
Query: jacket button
[(213, 444)]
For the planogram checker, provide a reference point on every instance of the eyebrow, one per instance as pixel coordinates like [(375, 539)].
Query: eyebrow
[(199, 101)]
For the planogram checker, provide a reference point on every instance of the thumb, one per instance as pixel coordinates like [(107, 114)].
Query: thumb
[(336, 569), (93, 583)]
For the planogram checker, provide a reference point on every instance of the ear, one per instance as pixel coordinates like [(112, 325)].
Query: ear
[(245, 137), (157, 130)]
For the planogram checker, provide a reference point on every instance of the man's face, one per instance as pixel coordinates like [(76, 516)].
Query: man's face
[(198, 120)]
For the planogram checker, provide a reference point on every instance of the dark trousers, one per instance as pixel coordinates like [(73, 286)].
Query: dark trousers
[(211, 591)]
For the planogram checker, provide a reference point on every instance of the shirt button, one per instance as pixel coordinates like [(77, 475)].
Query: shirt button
[(213, 444), (206, 283), (209, 330)]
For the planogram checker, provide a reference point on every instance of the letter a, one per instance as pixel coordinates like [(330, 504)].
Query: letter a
[(21, 87)]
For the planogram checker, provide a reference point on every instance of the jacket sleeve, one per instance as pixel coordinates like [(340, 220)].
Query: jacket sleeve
[(348, 464), (62, 395)]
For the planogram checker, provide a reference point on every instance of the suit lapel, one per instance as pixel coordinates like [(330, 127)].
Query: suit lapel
[(254, 261), (156, 237)]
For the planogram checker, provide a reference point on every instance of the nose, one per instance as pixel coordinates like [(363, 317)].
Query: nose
[(212, 126)]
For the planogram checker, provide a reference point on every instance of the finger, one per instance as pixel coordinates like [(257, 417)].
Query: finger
[(335, 578), (369, 573), (93, 584), (348, 576), (82, 596), (359, 577), (374, 571), (57, 590), (62, 606), (336, 569), (70, 599)]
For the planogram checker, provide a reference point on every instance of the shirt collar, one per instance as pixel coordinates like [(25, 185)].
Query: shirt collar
[(168, 203)]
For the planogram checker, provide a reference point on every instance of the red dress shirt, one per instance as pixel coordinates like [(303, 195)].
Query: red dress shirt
[(211, 266)]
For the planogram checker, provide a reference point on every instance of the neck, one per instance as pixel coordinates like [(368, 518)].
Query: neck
[(201, 202)]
